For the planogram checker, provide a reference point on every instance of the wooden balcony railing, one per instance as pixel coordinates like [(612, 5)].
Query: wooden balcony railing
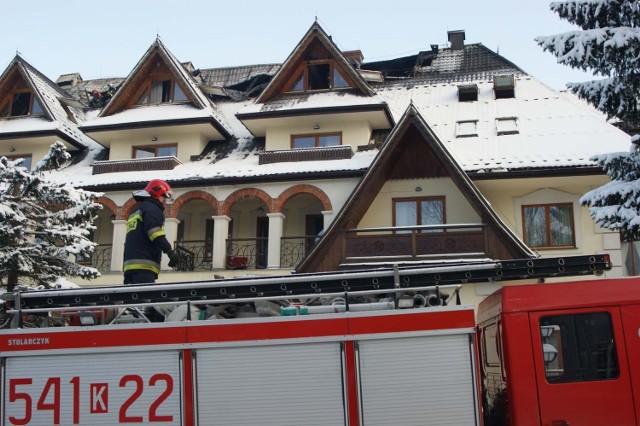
[(414, 242)]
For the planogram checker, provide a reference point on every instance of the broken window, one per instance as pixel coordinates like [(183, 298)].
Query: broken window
[(161, 91), (318, 75), (19, 104)]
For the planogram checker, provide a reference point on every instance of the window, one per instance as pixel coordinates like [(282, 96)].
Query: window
[(548, 225), (466, 129), (19, 104), (418, 211), (318, 140), (161, 91), (317, 75), (26, 159), (155, 151), (507, 126), (579, 347), (504, 86), (467, 93)]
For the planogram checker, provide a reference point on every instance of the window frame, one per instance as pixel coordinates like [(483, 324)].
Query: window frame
[(155, 150), (418, 201), (316, 137), (146, 88), (303, 70), (9, 97), (547, 207), (14, 157)]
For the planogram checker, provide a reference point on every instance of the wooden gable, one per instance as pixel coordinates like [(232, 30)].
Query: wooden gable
[(156, 64), (16, 79), (411, 151), (315, 49)]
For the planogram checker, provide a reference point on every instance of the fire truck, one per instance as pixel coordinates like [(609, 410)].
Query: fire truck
[(370, 347)]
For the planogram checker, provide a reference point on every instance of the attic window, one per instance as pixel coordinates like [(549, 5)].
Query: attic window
[(466, 129), (19, 104), (468, 93), (26, 159), (504, 86), (161, 91), (507, 126), (317, 75)]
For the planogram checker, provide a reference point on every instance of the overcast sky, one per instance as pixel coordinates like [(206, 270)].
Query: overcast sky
[(106, 39)]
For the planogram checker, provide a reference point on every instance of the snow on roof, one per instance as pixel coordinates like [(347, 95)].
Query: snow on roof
[(553, 130), (159, 112), (331, 99)]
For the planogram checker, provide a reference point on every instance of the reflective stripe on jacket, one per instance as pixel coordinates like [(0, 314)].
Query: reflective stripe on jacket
[(145, 239)]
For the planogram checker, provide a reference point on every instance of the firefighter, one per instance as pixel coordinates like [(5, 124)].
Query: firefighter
[(146, 241)]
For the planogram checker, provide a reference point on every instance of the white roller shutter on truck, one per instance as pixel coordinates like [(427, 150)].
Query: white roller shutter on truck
[(280, 385), (417, 381), (94, 389)]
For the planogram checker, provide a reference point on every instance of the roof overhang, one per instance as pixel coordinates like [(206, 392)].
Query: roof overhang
[(378, 116), (207, 127), (53, 134)]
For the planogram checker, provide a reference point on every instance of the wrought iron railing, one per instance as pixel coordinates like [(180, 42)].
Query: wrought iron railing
[(294, 249), (247, 253), (100, 259), (197, 254)]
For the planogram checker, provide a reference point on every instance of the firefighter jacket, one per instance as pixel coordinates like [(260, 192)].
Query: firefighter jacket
[(145, 239)]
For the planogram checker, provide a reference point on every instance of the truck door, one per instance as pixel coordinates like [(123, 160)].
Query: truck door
[(581, 367)]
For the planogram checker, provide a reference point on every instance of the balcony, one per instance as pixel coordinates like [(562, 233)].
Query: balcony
[(247, 253), (343, 152), (414, 243), (135, 165), (99, 259), (197, 254)]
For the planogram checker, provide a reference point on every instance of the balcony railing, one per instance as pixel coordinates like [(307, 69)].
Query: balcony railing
[(100, 259), (197, 254), (414, 242), (294, 249), (247, 253)]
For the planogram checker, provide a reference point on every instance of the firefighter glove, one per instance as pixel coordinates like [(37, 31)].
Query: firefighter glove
[(174, 259)]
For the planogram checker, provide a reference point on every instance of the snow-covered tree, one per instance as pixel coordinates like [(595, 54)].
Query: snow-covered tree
[(608, 45), (44, 226)]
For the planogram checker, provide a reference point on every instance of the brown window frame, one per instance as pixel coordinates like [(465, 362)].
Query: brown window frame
[(155, 149), (418, 200), (547, 207), (303, 69), (14, 157), (316, 136), (146, 87), (9, 104)]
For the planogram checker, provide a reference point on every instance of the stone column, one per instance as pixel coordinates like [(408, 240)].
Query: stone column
[(276, 231), (220, 235), (117, 244), (171, 232)]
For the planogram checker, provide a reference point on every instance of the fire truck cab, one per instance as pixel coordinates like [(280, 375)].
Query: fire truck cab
[(561, 354)]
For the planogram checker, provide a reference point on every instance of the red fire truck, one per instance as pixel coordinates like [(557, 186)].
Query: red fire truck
[(375, 347)]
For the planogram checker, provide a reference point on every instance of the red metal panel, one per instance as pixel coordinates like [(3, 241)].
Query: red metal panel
[(426, 320), (93, 337), (352, 383), (631, 325), (521, 380), (188, 408)]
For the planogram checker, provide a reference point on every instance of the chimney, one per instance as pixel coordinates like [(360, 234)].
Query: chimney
[(456, 38), (354, 57), (67, 81)]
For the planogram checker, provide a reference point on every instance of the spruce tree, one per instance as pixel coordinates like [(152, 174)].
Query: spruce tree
[(44, 226), (608, 45)]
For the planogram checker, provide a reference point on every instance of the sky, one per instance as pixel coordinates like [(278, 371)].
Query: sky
[(106, 39)]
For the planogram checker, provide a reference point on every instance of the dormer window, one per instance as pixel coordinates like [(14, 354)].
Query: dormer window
[(468, 93), (317, 140), (504, 86), (317, 75), (161, 91), (20, 104)]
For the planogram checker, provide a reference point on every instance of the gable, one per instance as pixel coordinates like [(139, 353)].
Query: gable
[(155, 80), (412, 151), (316, 64), (18, 98)]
